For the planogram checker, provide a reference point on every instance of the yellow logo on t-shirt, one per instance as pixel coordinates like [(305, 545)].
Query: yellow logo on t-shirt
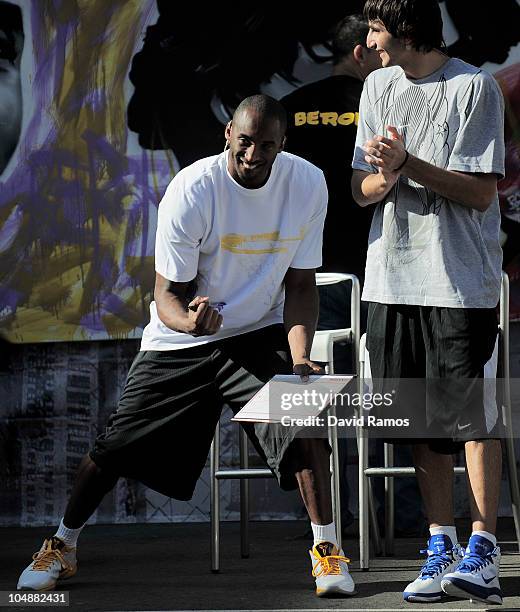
[(317, 118), (247, 244)]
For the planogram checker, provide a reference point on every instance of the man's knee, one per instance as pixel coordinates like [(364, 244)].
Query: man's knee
[(90, 469)]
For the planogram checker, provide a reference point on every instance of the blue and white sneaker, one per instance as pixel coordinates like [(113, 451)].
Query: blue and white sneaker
[(442, 558), (476, 576)]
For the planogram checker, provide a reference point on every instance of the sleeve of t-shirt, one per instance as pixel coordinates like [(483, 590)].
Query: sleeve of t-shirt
[(180, 229), (479, 146), (365, 130), (308, 254)]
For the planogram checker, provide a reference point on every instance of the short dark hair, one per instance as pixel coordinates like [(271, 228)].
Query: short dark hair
[(267, 107), (418, 21), (352, 30)]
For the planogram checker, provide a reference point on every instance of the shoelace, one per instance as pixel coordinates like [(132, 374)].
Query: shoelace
[(329, 565), (435, 563), (473, 562), (43, 559)]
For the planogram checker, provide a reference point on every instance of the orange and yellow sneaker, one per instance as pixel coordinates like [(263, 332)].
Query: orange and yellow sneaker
[(330, 569), (52, 562)]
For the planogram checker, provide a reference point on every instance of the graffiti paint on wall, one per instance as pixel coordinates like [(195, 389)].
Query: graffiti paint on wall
[(77, 198)]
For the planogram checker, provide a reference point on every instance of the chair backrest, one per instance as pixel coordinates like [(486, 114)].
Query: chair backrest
[(324, 339)]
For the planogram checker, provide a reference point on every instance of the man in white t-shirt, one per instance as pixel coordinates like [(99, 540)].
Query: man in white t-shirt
[(238, 239)]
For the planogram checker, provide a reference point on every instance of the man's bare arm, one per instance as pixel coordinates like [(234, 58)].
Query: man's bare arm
[(178, 312), (473, 190), (369, 188), (300, 318)]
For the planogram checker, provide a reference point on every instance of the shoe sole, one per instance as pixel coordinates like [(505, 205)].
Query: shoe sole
[(421, 599), (64, 575), (334, 593), (451, 589)]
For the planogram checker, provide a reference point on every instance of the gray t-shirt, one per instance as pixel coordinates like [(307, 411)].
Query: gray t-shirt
[(423, 248)]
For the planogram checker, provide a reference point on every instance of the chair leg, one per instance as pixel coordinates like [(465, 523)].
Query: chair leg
[(215, 501), (363, 481), (506, 408), (389, 502), (244, 496), (363, 484), (376, 535), (335, 489), (514, 489)]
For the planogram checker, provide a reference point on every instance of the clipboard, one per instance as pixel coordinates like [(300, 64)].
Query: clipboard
[(271, 403)]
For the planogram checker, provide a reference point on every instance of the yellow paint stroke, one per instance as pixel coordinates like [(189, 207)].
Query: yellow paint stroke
[(234, 243)]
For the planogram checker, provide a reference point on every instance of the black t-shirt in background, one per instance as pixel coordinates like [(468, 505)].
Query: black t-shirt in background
[(322, 124)]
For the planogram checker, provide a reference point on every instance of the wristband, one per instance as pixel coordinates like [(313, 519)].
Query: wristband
[(404, 162)]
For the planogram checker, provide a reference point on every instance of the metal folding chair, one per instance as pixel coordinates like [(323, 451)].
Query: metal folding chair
[(389, 472), (323, 351)]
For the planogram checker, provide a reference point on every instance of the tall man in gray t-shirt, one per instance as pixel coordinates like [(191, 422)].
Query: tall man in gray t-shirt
[(429, 152)]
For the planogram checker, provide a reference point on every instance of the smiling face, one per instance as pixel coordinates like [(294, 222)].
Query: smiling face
[(391, 49), (254, 142), (11, 46)]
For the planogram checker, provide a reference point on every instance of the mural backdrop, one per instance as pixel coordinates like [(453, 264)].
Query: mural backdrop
[(95, 122)]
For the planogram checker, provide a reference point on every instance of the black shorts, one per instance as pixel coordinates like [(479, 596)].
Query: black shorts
[(162, 430), (448, 348)]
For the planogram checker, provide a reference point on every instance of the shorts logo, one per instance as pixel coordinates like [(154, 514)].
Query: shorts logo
[(461, 427)]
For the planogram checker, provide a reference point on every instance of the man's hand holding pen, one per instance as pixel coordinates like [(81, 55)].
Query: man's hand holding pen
[(203, 319)]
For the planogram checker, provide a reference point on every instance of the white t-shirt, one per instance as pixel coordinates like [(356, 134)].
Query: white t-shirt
[(237, 243)]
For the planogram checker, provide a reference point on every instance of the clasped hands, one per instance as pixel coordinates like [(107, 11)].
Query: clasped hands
[(387, 154)]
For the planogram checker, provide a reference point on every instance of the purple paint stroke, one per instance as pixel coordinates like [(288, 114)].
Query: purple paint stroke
[(10, 228), (109, 304), (145, 202), (106, 270), (92, 322), (9, 298), (95, 99)]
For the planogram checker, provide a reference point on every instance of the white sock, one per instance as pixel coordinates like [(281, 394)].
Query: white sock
[(69, 536), (324, 533), (449, 530), (485, 534)]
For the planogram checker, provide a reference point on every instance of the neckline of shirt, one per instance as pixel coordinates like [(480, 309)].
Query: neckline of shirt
[(433, 75), (252, 193)]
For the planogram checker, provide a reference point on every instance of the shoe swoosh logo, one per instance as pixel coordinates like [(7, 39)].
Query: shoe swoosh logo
[(488, 580)]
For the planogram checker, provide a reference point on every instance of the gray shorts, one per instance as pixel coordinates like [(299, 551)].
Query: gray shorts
[(162, 430)]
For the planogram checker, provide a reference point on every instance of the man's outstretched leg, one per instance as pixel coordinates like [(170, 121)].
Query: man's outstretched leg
[(476, 577), (312, 472), (57, 557)]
